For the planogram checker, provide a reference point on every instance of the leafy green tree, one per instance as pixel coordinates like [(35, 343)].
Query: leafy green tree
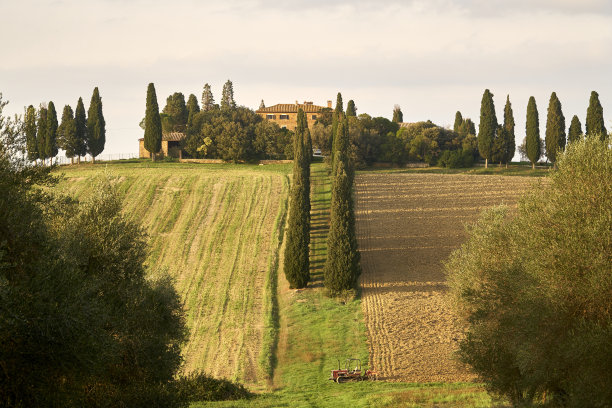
[(555, 129), (80, 121), (192, 108), (96, 126), (227, 97), (509, 142), (208, 101), (398, 116), (458, 122), (51, 134), (177, 113), (153, 128), (533, 293), (575, 130), (487, 127), (41, 134), (594, 121), (30, 133), (342, 269), (351, 110), (66, 133), (532, 133), (297, 264)]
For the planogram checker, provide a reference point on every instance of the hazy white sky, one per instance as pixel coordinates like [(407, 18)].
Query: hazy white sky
[(431, 57)]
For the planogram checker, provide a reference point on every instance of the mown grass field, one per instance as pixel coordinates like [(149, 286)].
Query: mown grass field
[(215, 229)]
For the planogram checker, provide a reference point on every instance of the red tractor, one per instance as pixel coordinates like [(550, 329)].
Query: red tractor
[(351, 374)]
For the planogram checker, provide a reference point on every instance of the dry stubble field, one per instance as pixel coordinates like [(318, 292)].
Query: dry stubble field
[(407, 224), (213, 230)]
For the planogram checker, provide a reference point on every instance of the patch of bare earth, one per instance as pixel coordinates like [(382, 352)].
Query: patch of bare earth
[(407, 224)]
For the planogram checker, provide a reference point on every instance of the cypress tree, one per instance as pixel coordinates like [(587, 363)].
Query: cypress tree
[(398, 116), (96, 126), (487, 127), (41, 133), (208, 101), (227, 97), (337, 111), (555, 129), (30, 133), (509, 142), (341, 269), (532, 133), (574, 133), (153, 128), (351, 110), (594, 120), (80, 121), (51, 136), (66, 133), (192, 108), (262, 105), (297, 263), (458, 122)]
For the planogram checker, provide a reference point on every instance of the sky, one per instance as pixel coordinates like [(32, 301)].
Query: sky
[(430, 57)]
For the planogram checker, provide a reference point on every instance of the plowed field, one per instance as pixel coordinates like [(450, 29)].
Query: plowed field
[(407, 224)]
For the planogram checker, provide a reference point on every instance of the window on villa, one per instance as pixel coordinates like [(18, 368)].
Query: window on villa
[(269, 116), (284, 116), (314, 117)]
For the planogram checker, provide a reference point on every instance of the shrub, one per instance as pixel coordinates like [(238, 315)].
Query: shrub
[(534, 290), (199, 387)]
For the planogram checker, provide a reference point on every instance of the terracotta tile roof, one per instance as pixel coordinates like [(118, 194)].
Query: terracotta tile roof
[(291, 108), (171, 137)]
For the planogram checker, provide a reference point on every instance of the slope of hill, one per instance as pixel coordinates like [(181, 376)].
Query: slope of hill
[(215, 230)]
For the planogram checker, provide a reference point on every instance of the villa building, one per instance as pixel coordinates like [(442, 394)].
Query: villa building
[(285, 114)]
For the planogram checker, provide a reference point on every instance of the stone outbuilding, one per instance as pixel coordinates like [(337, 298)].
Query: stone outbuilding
[(170, 146), (285, 114)]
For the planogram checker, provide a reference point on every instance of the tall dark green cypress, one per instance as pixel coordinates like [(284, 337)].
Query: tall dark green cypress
[(487, 127), (66, 133), (458, 122), (296, 256), (509, 142), (555, 129), (351, 110), (595, 125), (153, 128), (51, 136), (96, 126), (80, 121), (342, 269), (30, 133), (574, 133), (532, 132), (192, 108), (335, 117), (41, 133)]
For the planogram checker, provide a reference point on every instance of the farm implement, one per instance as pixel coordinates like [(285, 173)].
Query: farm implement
[(352, 374)]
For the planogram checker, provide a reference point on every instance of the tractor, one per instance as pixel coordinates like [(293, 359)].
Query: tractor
[(351, 374)]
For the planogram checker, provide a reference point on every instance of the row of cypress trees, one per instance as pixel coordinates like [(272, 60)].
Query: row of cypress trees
[(496, 142), (76, 134), (297, 262), (342, 268)]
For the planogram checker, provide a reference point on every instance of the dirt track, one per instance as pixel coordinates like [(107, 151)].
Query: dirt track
[(407, 224)]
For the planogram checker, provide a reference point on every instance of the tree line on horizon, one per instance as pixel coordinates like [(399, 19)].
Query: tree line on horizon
[(496, 143), (77, 134)]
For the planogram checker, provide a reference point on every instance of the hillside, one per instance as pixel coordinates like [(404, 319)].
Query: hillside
[(215, 230)]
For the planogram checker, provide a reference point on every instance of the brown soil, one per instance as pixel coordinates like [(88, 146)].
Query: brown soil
[(407, 224)]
